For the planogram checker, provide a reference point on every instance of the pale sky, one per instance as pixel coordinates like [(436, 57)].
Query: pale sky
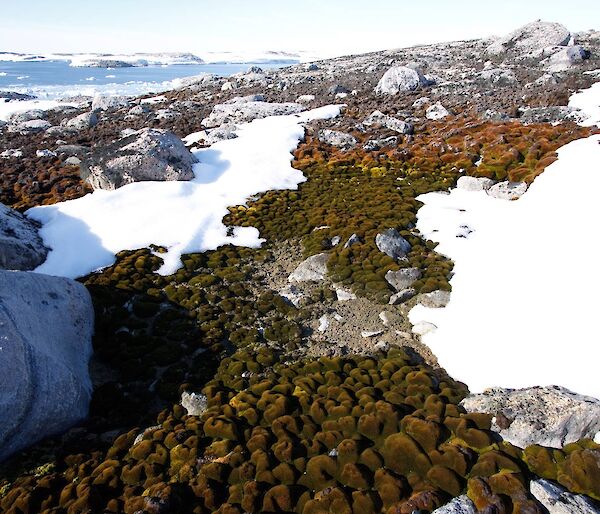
[(327, 27)]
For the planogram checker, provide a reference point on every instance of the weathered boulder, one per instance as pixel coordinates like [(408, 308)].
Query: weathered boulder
[(21, 117), (244, 111), (508, 190), (436, 112), (340, 139), (549, 416), (105, 102), (389, 122), (459, 505), (558, 500), (530, 38), (566, 58), (46, 326), (400, 79), (474, 183), (403, 278), (21, 247), (312, 269), (29, 127), (392, 243), (82, 122), (148, 154)]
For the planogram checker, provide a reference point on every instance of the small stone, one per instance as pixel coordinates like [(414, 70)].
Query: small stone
[(423, 327), (385, 318), (352, 240), (437, 112), (393, 244), (371, 333), (435, 300), (402, 296), (339, 139), (45, 153), (508, 190), (389, 122), (194, 403), (344, 296), (336, 240), (323, 323)]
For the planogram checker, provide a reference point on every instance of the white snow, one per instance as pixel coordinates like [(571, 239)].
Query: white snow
[(86, 233), (8, 108), (524, 305), (589, 102)]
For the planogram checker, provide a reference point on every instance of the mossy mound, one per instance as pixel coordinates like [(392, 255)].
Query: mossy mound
[(381, 434)]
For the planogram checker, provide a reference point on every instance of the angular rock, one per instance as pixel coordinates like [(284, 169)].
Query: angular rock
[(402, 296), (403, 278), (423, 327), (566, 58), (82, 122), (352, 240), (392, 243), (400, 79), (498, 77), (105, 102), (372, 145), (292, 294), (530, 38), (138, 110), (149, 154), (194, 403), (222, 133), (242, 112), (313, 269), (339, 139), (549, 416), (508, 190), (436, 112), (459, 505), (435, 300), (46, 325), (21, 247), (45, 153), (389, 122), (558, 500), (344, 296), (474, 183)]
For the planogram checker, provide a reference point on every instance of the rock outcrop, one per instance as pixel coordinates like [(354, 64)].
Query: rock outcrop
[(149, 154), (46, 326), (530, 38), (21, 247), (400, 79), (548, 416)]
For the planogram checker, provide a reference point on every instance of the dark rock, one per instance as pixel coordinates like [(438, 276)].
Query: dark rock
[(21, 247), (393, 244)]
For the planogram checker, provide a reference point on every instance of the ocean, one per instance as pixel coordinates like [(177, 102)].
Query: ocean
[(51, 80)]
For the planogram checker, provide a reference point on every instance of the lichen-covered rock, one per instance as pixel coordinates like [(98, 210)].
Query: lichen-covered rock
[(459, 505), (372, 145), (82, 122), (312, 269), (105, 102), (403, 278), (21, 247), (436, 112), (389, 122), (400, 79), (46, 326), (194, 403), (392, 243), (335, 138), (548, 416), (149, 154), (507, 190), (530, 38), (558, 500), (474, 183), (243, 111)]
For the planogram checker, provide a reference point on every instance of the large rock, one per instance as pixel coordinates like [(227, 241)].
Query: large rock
[(403, 278), (340, 139), (148, 154), (392, 243), (400, 79), (21, 247), (105, 102), (82, 122), (559, 501), (29, 127), (436, 112), (530, 38), (46, 327), (549, 416), (508, 190), (244, 111), (459, 505), (312, 269), (21, 117), (566, 58), (389, 122), (474, 183)]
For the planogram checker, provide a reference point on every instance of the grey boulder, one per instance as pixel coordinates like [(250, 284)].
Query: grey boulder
[(340, 139), (508, 190), (403, 278), (436, 112), (145, 155), (549, 416), (566, 58), (29, 127), (388, 122), (558, 500), (21, 247), (244, 111), (46, 327), (105, 102), (400, 79), (313, 269), (474, 183), (392, 243), (532, 37), (82, 122)]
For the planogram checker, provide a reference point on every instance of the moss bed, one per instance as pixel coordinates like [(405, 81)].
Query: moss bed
[(352, 434)]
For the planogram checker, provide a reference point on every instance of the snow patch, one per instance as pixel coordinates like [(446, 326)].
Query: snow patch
[(86, 233)]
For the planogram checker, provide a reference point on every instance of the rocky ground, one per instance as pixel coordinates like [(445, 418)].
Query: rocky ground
[(305, 387)]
